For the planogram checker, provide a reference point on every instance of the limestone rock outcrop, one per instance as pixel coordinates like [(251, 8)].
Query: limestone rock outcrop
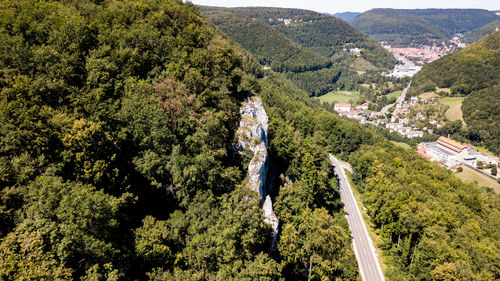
[(252, 134)]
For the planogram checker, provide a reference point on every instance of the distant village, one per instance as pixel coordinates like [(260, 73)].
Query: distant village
[(447, 152), (398, 122), (411, 59)]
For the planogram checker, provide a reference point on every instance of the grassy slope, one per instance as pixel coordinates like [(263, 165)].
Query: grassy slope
[(394, 94), (472, 176), (454, 111), (339, 97)]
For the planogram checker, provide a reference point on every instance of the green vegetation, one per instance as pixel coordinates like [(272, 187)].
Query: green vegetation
[(117, 125), (470, 69), (472, 72), (431, 224), (269, 46), (324, 34), (310, 50), (478, 33), (118, 120), (472, 176), (454, 111), (394, 95), (339, 97), (420, 26), (402, 144), (481, 112)]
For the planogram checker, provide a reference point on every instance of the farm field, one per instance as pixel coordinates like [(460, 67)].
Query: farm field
[(394, 94), (470, 175), (428, 95), (339, 97), (455, 111)]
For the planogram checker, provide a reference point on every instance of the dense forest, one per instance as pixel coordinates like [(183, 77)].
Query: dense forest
[(471, 72), (268, 45), (118, 121), (478, 33), (321, 33), (310, 52), (420, 26), (347, 16), (431, 225)]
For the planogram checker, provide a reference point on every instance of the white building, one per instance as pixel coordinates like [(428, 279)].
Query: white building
[(355, 50), (342, 107)]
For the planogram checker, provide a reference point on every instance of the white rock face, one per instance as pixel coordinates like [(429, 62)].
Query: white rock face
[(252, 134), (270, 217)]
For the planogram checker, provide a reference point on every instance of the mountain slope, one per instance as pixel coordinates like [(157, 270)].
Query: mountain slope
[(267, 44), (324, 34), (472, 71), (420, 26), (311, 54), (478, 33), (118, 123), (467, 70), (347, 16)]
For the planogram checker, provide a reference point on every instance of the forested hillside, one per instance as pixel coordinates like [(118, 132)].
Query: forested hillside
[(118, 124), (420, 26), (472, 71), (432, 226), (478, 33), (310, 51), (268, 45), (321, 33), (347, 16)]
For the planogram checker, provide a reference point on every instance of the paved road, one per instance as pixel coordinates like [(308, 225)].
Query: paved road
[(363, 248), (400, 99)]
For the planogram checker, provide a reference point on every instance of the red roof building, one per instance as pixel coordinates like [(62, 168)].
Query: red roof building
[(451, 144)]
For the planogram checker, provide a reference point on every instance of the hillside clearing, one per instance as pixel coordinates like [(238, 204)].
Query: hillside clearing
[(472, 176), (428, 95), (361, 64), (394, 94), (402, 144), (454, 111), (339, 97)]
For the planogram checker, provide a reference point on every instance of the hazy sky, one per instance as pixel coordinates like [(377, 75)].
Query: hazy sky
[(334, 6)]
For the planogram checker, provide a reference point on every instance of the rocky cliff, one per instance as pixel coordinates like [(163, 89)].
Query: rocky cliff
[(252, 134)]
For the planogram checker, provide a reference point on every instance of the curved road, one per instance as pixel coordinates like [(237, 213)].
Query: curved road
[(400, 99), (362, 244)]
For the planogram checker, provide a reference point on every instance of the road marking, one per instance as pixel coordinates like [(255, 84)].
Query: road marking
[(365, 255)]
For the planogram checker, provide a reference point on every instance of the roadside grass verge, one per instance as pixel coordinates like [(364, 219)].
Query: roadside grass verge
[(383, 260)]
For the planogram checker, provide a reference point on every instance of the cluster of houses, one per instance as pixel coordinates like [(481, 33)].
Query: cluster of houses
[(360, 113), (450, 154), (403, 130), (398, 121), (425, 53)]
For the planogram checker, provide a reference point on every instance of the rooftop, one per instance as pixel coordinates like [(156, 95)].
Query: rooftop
[(451, 144)]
